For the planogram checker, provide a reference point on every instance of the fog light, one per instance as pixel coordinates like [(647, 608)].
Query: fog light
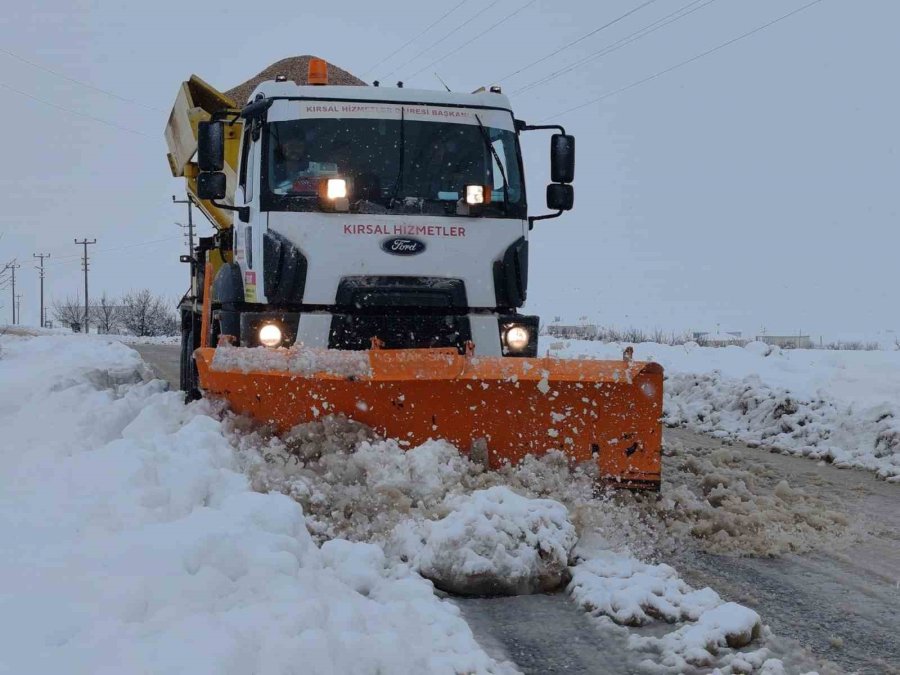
[(270, 335), (474, 194), (517, 338), (337, 188)]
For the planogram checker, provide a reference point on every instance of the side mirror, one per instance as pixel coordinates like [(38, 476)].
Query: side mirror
[(560, 197), (211, 185), (211, 146), (562, 158)]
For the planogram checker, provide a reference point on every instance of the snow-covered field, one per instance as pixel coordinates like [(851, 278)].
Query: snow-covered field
[(142, 535), (34, 331), (838, 406)]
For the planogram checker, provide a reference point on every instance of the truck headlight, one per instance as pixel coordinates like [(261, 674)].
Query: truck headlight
[(474, 194), (517, 338), (270, 335), (337, 188)]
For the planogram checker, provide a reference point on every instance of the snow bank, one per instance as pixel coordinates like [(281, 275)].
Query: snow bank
[(840, 406), (147, 339), (295, 360), (493, 542), (132, 543)]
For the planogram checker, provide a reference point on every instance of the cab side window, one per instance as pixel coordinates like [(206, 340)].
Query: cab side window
[(247, 174)]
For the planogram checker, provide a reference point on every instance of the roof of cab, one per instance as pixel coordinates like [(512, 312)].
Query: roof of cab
[(485, 99)]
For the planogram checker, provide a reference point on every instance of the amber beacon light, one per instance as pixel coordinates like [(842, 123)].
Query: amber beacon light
[(318, 72)]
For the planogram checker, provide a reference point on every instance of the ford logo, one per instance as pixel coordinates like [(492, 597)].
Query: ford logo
[(403, 246)]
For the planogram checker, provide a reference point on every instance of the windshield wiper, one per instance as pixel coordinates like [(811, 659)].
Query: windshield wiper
[(490, 146), (399, 182)]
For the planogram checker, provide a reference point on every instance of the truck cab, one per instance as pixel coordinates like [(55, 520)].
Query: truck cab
[(371, 216)]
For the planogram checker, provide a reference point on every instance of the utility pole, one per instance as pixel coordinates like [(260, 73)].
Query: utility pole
[(12, 266), (19, 306), (190, 225), (84, 266), (41, 270)]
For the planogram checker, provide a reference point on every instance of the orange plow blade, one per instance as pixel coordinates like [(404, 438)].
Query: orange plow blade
[(606, 412)]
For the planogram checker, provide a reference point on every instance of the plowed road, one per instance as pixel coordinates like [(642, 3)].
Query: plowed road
[(842, 605)]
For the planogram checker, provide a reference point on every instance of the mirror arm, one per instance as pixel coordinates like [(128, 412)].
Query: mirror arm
[(242, 211), (521, 126), (222, 115), (531, 219), (256, 110)]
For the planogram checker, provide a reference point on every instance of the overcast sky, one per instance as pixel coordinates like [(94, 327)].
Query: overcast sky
[(756, 187)]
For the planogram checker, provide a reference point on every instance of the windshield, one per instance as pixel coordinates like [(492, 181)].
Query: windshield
[(392, 165)]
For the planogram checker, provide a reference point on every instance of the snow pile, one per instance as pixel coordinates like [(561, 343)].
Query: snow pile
[(841, 406), (350, 483), (753, 412), (615, 586), (704, 642), (493, 542), (633, 593), (132, 543), (298, 360), (20, 330), (147, 339)]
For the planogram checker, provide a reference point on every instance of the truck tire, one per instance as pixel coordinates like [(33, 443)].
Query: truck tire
[(189, 379)]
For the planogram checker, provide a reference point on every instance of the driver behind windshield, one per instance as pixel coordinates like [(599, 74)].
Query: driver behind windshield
[(295, 170)]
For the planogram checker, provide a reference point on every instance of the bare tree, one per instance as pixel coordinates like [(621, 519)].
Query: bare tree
[(145, 314), (68, 312), (106, 314)]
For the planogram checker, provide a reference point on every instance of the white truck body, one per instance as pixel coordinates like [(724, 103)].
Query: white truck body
[(338, 245)]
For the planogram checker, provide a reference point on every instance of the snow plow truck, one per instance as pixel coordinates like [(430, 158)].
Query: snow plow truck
[(370, 259)]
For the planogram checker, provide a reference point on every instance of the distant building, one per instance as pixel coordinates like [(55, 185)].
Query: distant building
[(787, 341), (734, 337), (579, 332)]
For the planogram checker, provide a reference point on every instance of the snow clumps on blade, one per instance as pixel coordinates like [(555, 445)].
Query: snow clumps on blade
[(295, 360), (494, 542)]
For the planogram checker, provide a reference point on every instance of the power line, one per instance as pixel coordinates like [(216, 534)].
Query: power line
[(486, 30), (415, 37), (677, 15), (575, 42), (79, 82), (63, 260), (435, 44), (683, 63), (74, 112)]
